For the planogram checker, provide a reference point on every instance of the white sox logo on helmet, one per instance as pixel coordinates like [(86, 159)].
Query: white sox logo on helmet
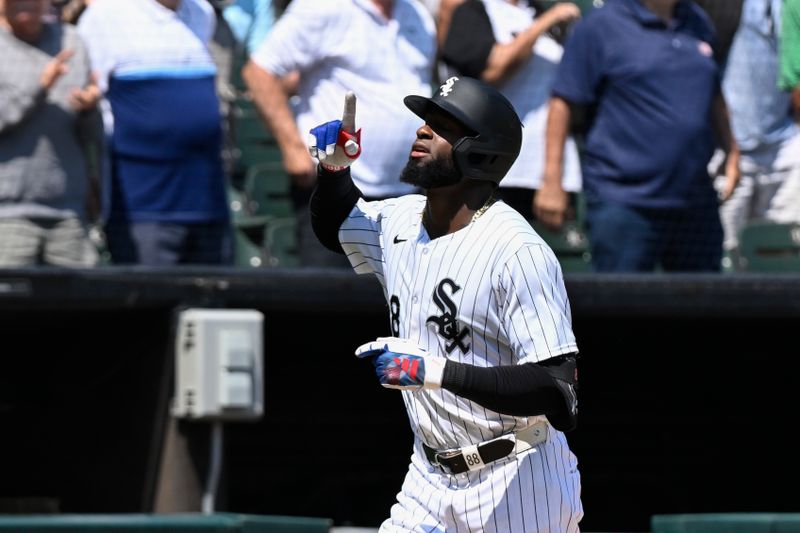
[(447, 86)]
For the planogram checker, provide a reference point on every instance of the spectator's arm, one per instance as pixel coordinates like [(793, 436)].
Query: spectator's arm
[(23, 98), (19, 103), (551, 202), (272, 101), (720, 121), (468, 40), (505, 59), (444, 18)]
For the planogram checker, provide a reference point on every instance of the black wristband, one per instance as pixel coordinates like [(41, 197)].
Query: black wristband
[(453, 377), (332, 200)]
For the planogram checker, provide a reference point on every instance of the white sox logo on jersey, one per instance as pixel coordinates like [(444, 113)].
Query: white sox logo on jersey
[(446, 322)]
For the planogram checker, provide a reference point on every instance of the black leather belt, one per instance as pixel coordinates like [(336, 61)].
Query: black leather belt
[(459, 461)]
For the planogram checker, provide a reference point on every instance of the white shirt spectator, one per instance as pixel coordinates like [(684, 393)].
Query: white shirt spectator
[(348, 45), (529, 92), (153, 38), (139, 46)]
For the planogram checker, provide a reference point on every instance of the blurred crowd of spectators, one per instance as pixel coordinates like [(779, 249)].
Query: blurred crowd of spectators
[(664, 126)]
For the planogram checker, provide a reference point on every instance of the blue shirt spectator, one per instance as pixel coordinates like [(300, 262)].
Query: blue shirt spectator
[(762, 124), (168, 200), (250, 20), (759, 114)]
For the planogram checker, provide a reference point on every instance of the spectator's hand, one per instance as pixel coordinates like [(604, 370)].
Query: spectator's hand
[(300, 168), (55, 68), (85, 99), (550, 204), (561, 12), (732, 175), (337, 144)]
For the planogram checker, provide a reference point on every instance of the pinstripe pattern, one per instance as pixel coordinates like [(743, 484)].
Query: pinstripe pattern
[(504, 289)]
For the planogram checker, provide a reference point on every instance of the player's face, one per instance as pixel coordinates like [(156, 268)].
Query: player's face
[(430, 164)]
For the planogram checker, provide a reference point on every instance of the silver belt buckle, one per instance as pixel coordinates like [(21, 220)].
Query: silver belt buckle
[(447, 454)]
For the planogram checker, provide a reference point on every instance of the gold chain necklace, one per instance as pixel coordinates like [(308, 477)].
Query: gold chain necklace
[(483, 208)]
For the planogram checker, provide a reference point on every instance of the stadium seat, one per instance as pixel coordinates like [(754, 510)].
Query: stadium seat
[(264, 218), (280, 242), (249, 125), (770, 247), (241, 216), (266, 189), (248, 253), (570, 244), (253, 140)]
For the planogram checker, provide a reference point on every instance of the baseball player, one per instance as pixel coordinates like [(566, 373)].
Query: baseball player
[(482, 344)]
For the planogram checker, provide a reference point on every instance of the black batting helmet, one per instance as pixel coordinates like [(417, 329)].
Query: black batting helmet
[(490, 152)]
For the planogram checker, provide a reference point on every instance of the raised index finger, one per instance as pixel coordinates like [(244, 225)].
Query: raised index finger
[(349, 115)]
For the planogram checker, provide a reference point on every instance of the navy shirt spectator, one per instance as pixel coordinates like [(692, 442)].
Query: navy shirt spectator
[(647, 70)]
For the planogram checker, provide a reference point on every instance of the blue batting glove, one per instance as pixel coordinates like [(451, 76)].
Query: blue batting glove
[(402, 364), (398, 370), (336, 144)]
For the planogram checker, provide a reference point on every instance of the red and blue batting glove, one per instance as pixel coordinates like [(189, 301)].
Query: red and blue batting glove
[(402, 364), (336, 144)]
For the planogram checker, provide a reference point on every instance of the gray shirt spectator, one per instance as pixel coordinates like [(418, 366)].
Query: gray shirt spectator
[(48, 118)]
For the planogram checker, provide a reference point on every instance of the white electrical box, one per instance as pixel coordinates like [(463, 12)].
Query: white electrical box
[(219, 364)]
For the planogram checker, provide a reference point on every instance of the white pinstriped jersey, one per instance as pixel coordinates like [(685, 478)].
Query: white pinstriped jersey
[(489, 294)]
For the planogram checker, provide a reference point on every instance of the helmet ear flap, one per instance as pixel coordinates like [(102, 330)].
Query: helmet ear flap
[(461, 154), (474, 159)]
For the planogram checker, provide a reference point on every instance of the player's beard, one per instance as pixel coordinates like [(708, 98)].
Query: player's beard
[(438, 172)]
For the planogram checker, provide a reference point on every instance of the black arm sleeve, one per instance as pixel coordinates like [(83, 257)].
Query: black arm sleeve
[(332, 200), (546, 388), (469, 39)]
